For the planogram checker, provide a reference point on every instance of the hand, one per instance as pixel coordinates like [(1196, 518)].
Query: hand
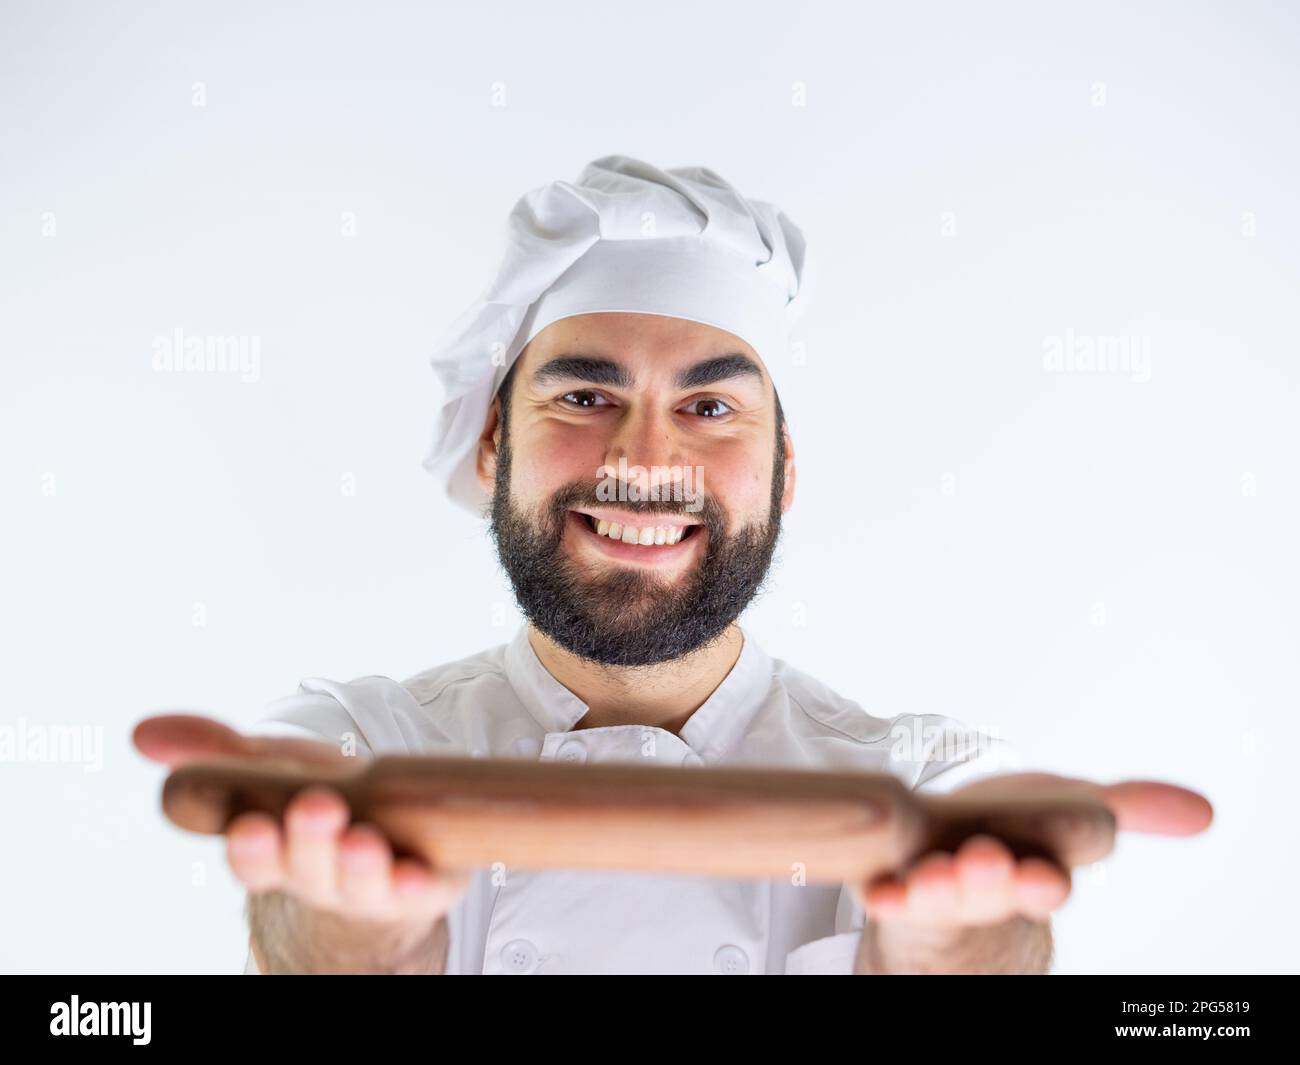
[(983, 883), (316, 856)]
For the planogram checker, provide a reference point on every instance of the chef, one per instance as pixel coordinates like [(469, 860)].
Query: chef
[(610, 408)]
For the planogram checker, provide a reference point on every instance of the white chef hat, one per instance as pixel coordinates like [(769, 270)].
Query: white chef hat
[(626, 236)]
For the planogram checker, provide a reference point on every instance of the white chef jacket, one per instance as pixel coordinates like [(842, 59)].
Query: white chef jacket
[(503, 703)]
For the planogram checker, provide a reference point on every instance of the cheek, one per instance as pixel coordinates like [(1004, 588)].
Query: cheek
[(551, 457), (740, 478)]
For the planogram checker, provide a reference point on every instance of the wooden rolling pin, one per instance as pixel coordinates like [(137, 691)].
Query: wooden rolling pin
[(829, 827)]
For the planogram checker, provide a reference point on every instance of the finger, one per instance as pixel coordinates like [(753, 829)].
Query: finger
[(884, 899), (297, 751), (418, 887), (985, 869), (933, 895), (1139, 805), (253, 849), (411, 879), (1041, 887), (1154, 806), (454, 883), (314, 819), (364, 869), (175, 739), (418, 890)]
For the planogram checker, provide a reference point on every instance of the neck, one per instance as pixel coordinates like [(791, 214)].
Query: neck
[(663, 695)]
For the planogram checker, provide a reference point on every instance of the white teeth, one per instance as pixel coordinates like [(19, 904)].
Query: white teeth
[(665, 535)]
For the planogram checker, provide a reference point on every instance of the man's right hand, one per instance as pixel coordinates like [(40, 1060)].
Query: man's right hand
[(316, 856)]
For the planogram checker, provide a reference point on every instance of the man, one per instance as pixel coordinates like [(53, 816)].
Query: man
[(610, 404)]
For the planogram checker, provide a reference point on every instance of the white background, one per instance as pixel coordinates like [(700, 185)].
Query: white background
[(1104, 569)]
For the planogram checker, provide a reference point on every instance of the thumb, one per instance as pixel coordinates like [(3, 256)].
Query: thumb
[(1138, 805), (1154, 806), (175, 739)]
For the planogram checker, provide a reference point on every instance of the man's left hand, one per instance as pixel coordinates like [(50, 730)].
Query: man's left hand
[(984, 883)]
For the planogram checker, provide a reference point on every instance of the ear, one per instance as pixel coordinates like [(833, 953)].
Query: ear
[(787, 497), (489, 444)]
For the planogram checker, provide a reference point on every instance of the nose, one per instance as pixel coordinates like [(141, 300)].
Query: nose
[(644, 453)]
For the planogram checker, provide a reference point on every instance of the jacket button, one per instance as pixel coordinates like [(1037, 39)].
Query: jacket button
[(519, 956), (572, 751), (731, 960)]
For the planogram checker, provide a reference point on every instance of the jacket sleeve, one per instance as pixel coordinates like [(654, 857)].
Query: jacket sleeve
[(363, 717), (368, 716), (986, 756)]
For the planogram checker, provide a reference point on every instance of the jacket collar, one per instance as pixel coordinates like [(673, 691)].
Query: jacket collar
[(713, 731)]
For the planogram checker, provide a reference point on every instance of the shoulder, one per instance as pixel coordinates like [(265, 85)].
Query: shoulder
[(382, 716), (433, 684), (931, 752), (818, 706)]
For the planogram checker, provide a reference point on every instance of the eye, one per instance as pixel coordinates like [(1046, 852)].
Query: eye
[(711, 407), (587, 398)]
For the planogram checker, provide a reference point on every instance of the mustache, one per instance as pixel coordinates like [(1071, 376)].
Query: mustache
[(580, 494)]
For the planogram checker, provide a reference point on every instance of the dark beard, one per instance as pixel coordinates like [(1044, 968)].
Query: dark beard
[(629, 616)]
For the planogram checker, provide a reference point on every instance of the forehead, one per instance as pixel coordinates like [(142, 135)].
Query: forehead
[(648, 345)]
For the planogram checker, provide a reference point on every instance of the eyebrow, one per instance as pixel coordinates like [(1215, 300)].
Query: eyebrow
[(602, 371)]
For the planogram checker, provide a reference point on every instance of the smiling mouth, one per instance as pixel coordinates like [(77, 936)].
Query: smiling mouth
[(664, 534)]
